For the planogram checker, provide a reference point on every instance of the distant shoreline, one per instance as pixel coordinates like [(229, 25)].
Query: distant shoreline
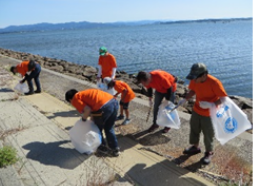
[(89, 25)]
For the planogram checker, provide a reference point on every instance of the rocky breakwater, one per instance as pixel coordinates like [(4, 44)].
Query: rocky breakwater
[(89, 73)]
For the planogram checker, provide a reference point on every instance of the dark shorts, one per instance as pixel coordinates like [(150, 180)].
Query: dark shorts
[(125, 105)]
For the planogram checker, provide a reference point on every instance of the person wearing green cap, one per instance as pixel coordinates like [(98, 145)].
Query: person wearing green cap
[(107, 64), (208, 91)]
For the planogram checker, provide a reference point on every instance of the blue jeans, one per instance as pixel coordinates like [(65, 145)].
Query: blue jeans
[(157, 101), (34, 75), (109, 116)]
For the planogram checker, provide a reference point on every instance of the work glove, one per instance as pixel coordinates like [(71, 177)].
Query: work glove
[(206, 105), (181, 102)]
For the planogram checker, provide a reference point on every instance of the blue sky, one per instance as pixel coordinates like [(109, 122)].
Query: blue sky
[(20, 12)]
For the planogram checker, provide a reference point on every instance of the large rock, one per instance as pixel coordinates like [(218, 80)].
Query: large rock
[(242, 102), (57, 68)]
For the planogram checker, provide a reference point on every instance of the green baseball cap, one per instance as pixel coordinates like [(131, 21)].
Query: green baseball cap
[(196, 70), (103, 50)]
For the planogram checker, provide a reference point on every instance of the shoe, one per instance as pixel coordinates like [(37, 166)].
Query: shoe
[(115, 152), (120, 117), (165, 130), (102, 149), (192, 150), (29, 93), (207, 158), (37, 91), (153, 128), (126, 122)]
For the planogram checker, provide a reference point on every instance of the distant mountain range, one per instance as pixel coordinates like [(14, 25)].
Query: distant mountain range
[(85, 25)]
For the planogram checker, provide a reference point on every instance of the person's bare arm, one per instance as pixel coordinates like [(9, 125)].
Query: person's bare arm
[(87, 112), (190, 94), (124, 94)]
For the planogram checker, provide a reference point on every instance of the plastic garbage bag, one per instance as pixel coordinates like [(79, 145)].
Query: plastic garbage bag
[(228, 120), (85, 136), (21, 87), (104, 88), (166, 118)]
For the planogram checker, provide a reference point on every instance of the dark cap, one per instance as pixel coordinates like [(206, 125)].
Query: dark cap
[(196, 70)]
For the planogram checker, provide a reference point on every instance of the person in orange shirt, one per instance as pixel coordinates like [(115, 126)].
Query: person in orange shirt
[(165, 85), (127, 95), (29, 70), (208, 91), (107, 64), (103, 109)]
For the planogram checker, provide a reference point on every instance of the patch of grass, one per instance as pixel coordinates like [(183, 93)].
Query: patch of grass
[(8, 156)]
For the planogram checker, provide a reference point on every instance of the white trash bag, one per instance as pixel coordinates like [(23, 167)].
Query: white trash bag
[(166, 118), (228, 121), (85, 136), (21, 87), (103, 87)]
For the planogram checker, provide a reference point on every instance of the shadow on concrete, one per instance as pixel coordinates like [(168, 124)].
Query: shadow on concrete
[(53, 154), (163, 173), (195, 166), (6, 90), (72, 113), (154, 139), (181, 159)]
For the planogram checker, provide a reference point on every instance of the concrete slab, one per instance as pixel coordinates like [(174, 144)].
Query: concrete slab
[(146, 168)]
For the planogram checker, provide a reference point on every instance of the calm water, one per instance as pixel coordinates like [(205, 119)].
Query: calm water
[(226, 48)]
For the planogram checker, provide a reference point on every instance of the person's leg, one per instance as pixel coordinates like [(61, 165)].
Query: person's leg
[(127, 113), (208, 131), (30, 86), (110, 113), (121, 116), (157, 101), (121, 110), (36, 78), (195, 129), (125, 108)]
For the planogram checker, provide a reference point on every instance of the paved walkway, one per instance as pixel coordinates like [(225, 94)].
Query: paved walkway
[(37, 126)]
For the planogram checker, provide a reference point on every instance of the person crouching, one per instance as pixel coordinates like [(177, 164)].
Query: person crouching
[(127, 95), (29, 70), (103, 109)]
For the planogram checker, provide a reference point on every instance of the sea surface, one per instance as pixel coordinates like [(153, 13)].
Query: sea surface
[(225, 47)]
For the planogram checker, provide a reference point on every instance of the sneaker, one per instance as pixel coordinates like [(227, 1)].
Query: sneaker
[(153, 128), (207, 158), (102, 149), (120, 117), (126, 122), (29, 93), (115, 152), (37, 91), (192, 150), (166, 129)]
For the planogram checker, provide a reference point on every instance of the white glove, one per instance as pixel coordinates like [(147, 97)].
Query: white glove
[(150, 103), (206, 105), (181, 102)]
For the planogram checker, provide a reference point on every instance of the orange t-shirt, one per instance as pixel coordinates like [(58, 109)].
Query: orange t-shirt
[(107, 64), (120, 86), (22, 67), (211, 90), (94, 98), (162, 81)]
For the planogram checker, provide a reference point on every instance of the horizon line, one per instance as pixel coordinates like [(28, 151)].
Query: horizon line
[(113, 22)]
